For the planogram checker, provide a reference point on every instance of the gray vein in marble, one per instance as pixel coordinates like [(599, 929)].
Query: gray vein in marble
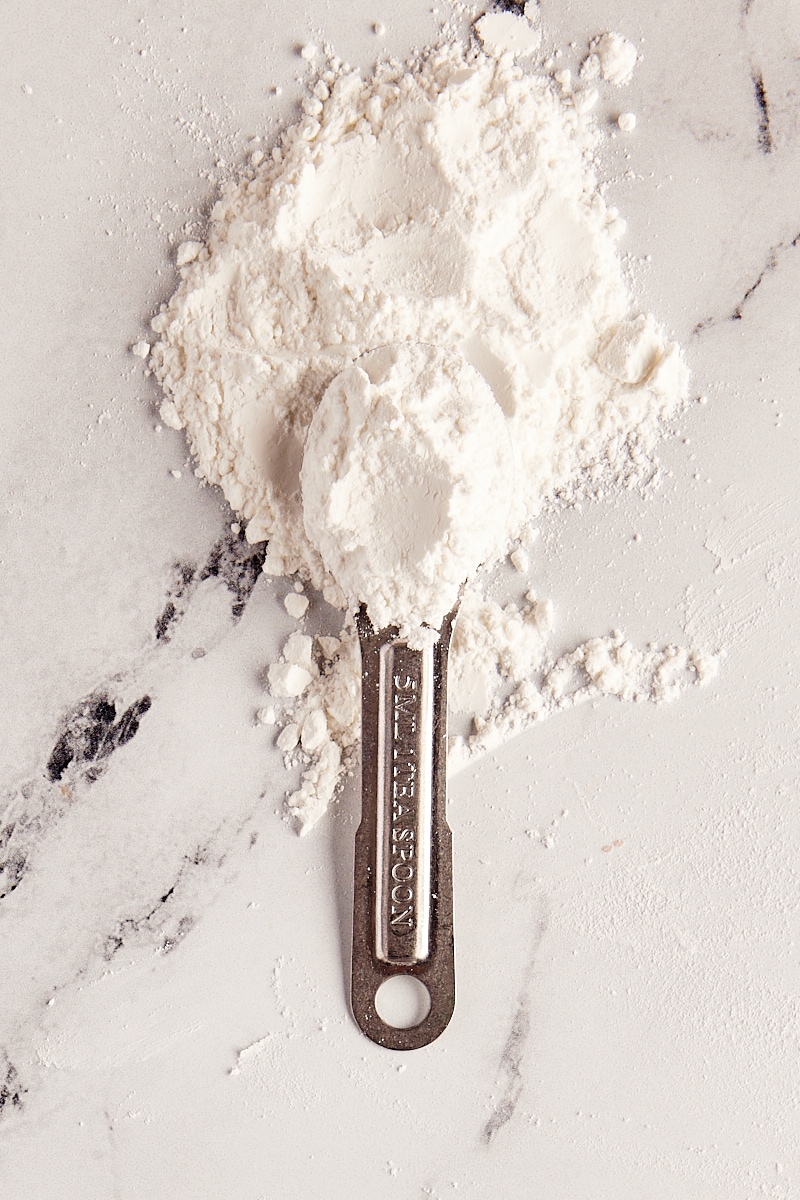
[(232, 560), (99, 724), (11, 1089), (89, 737), (513, 1055), (774, 258), (92, 733), (111, 1133), (161, 918), (166, 921), (762, 100), (184, 574), (158, 919)]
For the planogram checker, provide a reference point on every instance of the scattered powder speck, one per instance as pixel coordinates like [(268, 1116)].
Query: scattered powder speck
[(451, 202), (519, 559), (296, 605)]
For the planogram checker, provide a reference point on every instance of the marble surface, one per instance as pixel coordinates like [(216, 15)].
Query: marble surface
[(173, 997)]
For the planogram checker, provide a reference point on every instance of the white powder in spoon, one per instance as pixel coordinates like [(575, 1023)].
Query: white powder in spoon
[(451, 202), (407, 483)]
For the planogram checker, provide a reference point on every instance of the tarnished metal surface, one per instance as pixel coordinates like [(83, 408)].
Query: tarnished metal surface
[(402, 903)]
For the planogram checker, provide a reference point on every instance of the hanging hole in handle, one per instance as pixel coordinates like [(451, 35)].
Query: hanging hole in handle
[(402, 1001)]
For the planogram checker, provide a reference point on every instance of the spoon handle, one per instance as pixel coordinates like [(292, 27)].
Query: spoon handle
[(402, 901)]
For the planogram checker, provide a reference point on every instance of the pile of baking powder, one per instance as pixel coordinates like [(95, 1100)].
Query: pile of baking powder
[(450, 202)]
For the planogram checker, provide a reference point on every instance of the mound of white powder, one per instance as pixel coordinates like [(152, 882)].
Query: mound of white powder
[(454, 203), (406, 483)]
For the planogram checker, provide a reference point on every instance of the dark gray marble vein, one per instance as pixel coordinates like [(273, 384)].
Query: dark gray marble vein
[(98, 725), (762, 100), (774, 257), (512, 1058), (92, 732), (232, 560), (162, 917), (162, 922), (11, 1089)]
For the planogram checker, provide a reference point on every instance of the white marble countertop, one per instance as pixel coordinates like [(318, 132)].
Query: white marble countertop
[(173, 987)]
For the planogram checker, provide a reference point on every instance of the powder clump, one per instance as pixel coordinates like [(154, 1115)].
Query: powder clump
[(507, 33), (612, 57)]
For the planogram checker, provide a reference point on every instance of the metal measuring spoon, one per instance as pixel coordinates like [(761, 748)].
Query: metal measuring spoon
[(423, 398), (403, 887)]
